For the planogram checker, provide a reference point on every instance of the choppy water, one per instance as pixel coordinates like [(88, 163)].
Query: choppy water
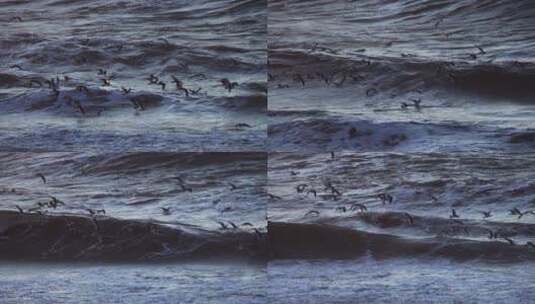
[(398, 281), (234, 196), (174, 283), (339, 76), (138, 185), (345, 192), (198, 43)]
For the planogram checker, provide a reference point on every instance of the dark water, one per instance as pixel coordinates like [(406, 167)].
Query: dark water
[(339, 76), (370, 151), (138, 185), (198, 43), (445, 89)]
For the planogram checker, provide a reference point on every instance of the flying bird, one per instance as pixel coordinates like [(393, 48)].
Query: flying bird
[(43, 178)]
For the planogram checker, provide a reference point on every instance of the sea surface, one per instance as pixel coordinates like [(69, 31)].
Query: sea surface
[(371, 151), (428, 102), (199, 189), (350, 246), (80, 43), (340, 72)]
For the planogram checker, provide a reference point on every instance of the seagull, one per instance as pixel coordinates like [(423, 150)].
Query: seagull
[(301, 187), (166, 210), (271, 196), (194, 92), (509, 240), (232, 187), (228, 85), (341, 82), (137, 105), (153, 79), (81, 88), (492, 234), (233, 225), (486, 214), (515, 211), (311, 212), (79, 106), (19, 209), (341, 209), (36, 81), (178, 82), (524, 213), (126, 91), (453, 214), (223, 226), (200, 76), (56, 91), (359, 206), (417, 103), (165, 40), (180, 85), (42, 177), (50, 83), (54, 202), (298, 77), (105, 82), (410, 218), (385, 197), (16, 66), (335, 191), (184, 188)]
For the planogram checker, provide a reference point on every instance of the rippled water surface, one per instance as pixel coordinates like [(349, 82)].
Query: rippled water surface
[(175, 283), (347, 77), (242, 151), (80, 43)]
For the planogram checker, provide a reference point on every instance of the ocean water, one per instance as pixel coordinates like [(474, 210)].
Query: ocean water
[(429, 102), (124, 283), (125, 42), (137, 186), (370, 151), (340, 72), (398, 281)]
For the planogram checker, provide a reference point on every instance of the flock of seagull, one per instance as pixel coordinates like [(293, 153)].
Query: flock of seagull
[(54, 84), (337, 81), (330, 192), (338, 78), (54, 202), (106, 78)]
